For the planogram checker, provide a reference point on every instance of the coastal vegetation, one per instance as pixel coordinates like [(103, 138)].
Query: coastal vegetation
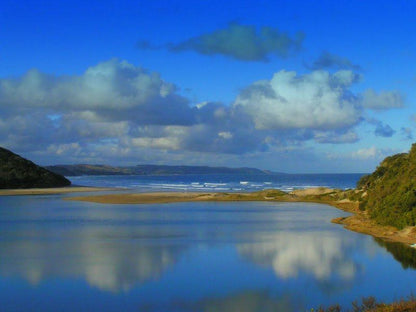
[(389, 193), (17, 173)]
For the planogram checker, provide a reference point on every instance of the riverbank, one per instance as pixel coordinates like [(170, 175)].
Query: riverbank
[(52, 190), (357, 222), (361, 223)]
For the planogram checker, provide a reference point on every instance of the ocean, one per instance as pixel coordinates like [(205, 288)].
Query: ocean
[(220, 182)]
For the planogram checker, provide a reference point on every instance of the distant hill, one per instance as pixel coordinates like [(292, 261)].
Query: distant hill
[(77, 170), (17, 172), (390, 191)]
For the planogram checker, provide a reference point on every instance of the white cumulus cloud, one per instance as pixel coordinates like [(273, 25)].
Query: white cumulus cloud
[(112, 90), (119, 111), (317, 100)]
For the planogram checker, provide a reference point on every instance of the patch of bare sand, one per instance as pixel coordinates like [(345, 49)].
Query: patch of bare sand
[(314, 191), (167, 197), (147, 198)]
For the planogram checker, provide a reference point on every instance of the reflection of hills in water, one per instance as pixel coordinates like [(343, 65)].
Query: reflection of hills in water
[(402, 253)]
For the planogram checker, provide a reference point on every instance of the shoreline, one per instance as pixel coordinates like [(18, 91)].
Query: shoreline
[(360, 223)]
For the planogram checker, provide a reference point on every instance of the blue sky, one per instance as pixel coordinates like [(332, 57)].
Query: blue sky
[(294, 86)]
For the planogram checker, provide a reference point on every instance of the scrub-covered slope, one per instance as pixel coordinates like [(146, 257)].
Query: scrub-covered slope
[(390, 191), (17, 172)]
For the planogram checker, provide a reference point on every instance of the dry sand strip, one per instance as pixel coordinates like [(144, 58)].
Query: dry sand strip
[(165, 197), (53, 190)]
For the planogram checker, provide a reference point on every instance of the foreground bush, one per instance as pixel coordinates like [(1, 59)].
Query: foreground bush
[(371, 305)]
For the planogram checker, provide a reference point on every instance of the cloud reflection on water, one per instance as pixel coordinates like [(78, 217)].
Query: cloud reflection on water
[(321, 254), (111, 264), (116, 264)]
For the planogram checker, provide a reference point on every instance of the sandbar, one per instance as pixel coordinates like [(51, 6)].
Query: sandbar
[(167, 197)]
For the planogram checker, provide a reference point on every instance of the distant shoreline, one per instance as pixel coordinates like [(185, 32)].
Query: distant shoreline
[(357, 222)]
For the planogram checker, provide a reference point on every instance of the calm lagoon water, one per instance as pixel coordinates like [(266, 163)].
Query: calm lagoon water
[(58, 255)]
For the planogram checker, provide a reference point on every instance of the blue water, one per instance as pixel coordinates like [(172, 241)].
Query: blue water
[(225, 182), (58, 255)]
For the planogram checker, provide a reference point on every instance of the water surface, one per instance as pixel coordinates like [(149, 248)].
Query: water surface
[(256, 256)]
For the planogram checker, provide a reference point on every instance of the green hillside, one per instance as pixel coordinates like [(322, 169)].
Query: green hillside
[(390, 191), (17, 172)]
